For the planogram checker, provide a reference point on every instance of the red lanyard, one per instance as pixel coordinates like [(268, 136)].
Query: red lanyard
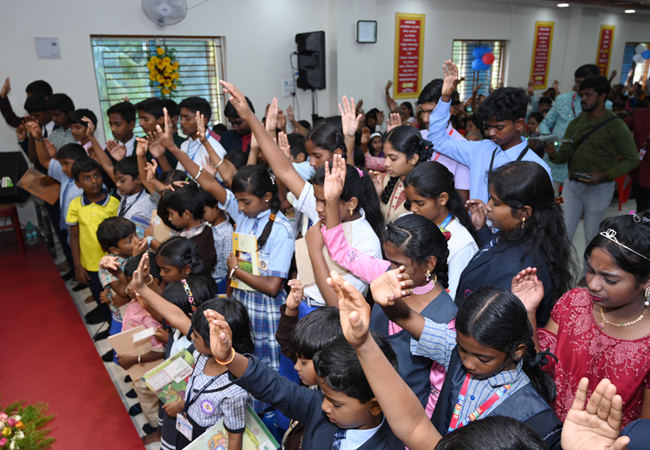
[(478, 411), (437, 155), (572, 107)]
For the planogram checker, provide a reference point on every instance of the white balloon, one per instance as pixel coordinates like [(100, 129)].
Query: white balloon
[(640, 48), (637, 58)]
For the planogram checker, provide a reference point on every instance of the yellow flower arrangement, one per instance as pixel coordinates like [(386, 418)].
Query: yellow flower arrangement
[(163, 71)]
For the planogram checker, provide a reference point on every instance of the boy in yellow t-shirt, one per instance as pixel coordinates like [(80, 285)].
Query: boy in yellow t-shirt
[(85, 213)]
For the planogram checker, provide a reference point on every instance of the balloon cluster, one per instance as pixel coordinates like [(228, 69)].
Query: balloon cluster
[(484, 58), (642, 53)]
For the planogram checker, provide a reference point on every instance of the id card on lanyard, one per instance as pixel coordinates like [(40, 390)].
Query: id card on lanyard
[(183, 424), (479, 411)]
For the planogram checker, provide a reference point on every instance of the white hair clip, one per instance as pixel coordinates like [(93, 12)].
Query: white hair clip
[(611, 235)]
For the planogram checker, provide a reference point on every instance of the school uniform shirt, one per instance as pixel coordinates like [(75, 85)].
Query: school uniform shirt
[(305, 170), (137, 208), (396, 202), (60, 137), (197, 152), (476, 155), (88, 215), (106, 278), (304, 405), (461, 172), (222, 235), (462, 248), (68, 191), (201, 235), (130, 146)]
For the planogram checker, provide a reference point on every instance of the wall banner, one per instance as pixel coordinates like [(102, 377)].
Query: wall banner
[(409, 48), (541, 53)]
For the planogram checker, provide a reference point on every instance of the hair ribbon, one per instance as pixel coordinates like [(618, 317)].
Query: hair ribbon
[(360, 172), (190, 297)]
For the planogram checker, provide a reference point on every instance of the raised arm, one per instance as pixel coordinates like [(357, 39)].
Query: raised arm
[(142, 145), (99, 154), (296, 125), (41, 151), (281, 166), (350, 123)]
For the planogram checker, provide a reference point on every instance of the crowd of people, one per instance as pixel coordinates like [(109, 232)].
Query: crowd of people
[(416, 283)]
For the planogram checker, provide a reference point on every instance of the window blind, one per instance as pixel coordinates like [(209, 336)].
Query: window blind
[(462, 56)]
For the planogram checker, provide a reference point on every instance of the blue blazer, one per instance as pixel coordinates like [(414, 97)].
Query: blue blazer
[(304, 404)]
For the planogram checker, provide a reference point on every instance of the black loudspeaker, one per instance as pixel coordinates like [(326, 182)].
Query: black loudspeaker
[(14, 166), (311, 60)]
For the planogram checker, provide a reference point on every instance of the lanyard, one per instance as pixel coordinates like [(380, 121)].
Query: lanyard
[(188, 394), (446, 222), (124, 209), (435, 158), (478, 411), (191, 152), (573, 107), (519, 158)]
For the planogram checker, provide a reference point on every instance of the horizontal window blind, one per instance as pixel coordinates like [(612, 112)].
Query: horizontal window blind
[(121, 70), (462, 56)]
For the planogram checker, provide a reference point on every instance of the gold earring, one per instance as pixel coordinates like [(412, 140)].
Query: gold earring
[(428, 275), (523, 222), (351, 211)]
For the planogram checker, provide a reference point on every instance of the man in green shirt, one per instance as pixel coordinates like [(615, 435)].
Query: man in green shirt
[(602, 149)]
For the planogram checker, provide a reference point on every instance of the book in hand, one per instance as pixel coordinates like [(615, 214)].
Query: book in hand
[(123, 344), (303, 261), (244, 247), (44, 187), (169, 379), (256, 436)]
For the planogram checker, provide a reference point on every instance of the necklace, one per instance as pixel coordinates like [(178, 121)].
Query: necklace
[(421, 290), (620, 325)]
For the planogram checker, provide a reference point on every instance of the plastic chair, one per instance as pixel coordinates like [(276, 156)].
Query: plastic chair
[(9, 210), (623, 191)]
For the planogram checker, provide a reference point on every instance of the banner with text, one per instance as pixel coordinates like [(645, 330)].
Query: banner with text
[(605, 44), (541, 53), (409, 48)]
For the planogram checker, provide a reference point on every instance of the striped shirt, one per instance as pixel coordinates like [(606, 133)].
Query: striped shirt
[(222, 234), (60, 137)]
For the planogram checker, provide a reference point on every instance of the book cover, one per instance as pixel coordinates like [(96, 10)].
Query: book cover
[(44, 187), (169, 379), (244, 246), (123, 344), (256, 436)]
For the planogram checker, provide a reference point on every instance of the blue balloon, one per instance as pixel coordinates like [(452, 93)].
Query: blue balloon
[(646, 54), (477, 64), (478, 52)]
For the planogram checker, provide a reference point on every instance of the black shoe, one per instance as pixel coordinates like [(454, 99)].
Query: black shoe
[(93, 314), (108, 356), (131, 394), (148, 429), (101, 335), (68, 275), (95, 319), (135, 410), (79, 287), (127, 379)]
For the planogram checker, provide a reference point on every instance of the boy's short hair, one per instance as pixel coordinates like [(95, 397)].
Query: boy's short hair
[(79, 114), (470, 134), (85, 164), (112, 230), (35, 103), (315, 331), (306, 125), (538, 116), (133, 263), (230, 111), (297, 144), (237, 158), (39, 87), (506, 103), (194, 104), (340, 368), (219, 128), (431, 93), (172, 107), (60, 102), (72, 151), (125, 109), (372, 114), (586, 70), (598, 83), (127, 166), (153, 106), (209, 200), (187, 198), (546, 100)]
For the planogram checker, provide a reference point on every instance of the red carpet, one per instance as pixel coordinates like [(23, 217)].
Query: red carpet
[(47, 355)]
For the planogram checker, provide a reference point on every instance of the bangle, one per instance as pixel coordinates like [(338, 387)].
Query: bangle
[(139, 362), (219, 165), (150, 276), (232, 357), (198, 174), (233, 270), (38, 140)]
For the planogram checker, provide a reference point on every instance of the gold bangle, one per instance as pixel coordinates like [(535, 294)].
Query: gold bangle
[(151, 276), (232, 357)]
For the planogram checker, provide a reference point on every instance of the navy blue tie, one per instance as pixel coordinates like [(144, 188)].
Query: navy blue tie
[(338, 438)]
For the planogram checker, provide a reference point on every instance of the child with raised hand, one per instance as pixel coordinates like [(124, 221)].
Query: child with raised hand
[(222, 232), (210, 395), (597, 427), (430, 192), (602, 331), (344, 408)]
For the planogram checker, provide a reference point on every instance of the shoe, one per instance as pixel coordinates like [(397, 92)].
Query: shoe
[(96, 320), (68, 275), (102, 335), (79, 287), (94, 313), (131, 394), (148, 429), (108, 356), (127, 379), (63, 267), (135, 410)]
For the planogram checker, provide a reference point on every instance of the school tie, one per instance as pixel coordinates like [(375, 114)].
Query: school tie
[(338, 438)]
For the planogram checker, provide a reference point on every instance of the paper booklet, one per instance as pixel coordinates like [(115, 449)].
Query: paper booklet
[(31, 182), (244, 246), (256, 436), (303, 262), (123, 344), (169, 380)]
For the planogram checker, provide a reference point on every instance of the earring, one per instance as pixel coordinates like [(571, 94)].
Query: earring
[(523, 222), (428, 275), (351, 211), (442, 204), (647, 296), (267, 200)]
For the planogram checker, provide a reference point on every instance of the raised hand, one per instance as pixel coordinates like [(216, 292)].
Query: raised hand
[(283, 143), (140, 247), (201, 131), (5, 88), (334, 179), (377, 180), (556, 86), (117, 151), (527, 287), (530, 87), (140, 274), (142, 146), (21, 132), (353, 309), (349, 121), (109, 263), (392, 105), (237, 100), (51, 148), (290, 116), (394, 120), (165, 137), (478, 212), (295, 297), (208, 166), (598, 426), (380, 117), (90, 127), (272, 116), (365, 136), (220, 335), (450, 80), (282, 120), (388, 85), (151, 169), (390, 286), (156, 147), (34, 129)]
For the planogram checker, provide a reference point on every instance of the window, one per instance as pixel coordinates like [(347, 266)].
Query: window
[(462, 56), (640, 71), (121, 70)]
